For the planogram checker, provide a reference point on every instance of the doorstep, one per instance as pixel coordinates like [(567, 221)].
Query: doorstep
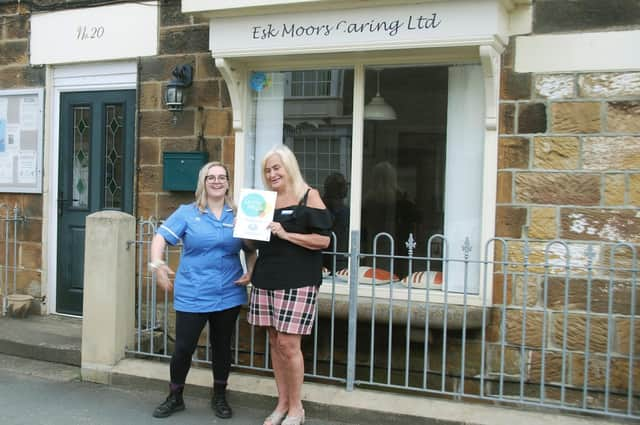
[(50, 338)]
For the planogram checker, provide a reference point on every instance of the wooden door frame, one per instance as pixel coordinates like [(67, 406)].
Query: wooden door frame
[(62, 79)]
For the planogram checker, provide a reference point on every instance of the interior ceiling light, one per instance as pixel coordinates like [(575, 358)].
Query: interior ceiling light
[(377, 108)]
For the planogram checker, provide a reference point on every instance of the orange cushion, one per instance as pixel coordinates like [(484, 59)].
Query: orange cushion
[(420, 279), (366, 275)]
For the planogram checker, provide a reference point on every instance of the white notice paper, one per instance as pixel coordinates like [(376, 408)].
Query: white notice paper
[(6, 168), (13, 138), (27, 167), (255, 212), (4, 104), (29, 113)]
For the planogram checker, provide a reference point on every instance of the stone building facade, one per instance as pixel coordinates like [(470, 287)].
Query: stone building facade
[(568, 167), (16, 73), (183, 39)]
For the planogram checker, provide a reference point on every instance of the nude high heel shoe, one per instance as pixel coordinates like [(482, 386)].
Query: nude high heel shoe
[(294, 420), (275, 418)]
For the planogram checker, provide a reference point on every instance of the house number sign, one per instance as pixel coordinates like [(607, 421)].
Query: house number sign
[(85, 32), (119, 31)]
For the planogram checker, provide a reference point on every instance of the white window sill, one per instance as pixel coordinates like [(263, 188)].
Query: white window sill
[(379, 300)]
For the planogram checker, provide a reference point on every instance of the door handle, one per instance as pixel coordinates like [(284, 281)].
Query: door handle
[(62, 202)]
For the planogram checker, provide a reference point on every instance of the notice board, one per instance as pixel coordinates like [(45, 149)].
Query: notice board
[(21, 120)]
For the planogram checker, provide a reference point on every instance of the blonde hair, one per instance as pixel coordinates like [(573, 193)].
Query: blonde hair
[(384, 183), (201, 194), (290, 164)]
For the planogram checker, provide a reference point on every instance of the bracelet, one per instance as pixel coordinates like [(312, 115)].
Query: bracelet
[(154, 265)]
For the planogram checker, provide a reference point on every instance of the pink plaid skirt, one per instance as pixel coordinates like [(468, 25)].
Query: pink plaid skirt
[(291, 311)]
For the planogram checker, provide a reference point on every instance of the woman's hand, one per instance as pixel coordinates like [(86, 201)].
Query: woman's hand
[(163, 280), (277, 229), (159, 267), (244, 280), (250, 257)]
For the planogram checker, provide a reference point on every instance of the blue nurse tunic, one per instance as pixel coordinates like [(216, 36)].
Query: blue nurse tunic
[(210, 261)]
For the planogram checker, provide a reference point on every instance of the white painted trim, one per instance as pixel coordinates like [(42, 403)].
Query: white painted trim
[(416, 295), (491, 63), (63, 79), (236, 77), (228, 8), (444, 56), (47, 284), (521, 19), (357, 150), (96, 76), (199, 5), (584, 52), (495, 41)]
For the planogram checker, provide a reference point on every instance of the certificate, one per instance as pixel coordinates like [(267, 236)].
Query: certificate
[(255, 212)]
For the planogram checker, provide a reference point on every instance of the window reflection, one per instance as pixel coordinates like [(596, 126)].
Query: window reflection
[(403, 163), (403, 160)]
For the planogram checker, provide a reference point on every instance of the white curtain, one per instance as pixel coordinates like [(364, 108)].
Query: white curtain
[(269, 118), (463, 179)]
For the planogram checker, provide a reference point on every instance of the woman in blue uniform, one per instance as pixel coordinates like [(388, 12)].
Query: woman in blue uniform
[(209, 285), (287, 276)]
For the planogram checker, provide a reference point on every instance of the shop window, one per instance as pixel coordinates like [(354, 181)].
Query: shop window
[(421, 166)]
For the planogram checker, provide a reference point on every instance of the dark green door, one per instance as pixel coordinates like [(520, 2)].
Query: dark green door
[(96, 172)]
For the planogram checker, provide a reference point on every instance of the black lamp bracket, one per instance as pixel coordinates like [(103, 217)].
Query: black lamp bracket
[(183, 74)]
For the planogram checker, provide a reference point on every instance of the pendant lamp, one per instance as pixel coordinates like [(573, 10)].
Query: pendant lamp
[(377, 108)]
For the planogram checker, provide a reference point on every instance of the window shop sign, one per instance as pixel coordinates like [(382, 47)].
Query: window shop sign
[(92, 34), (410, 26)]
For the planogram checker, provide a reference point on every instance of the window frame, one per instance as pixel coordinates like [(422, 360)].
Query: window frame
[(335, 85), (237, 73)]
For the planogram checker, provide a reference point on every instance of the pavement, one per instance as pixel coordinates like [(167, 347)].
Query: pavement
[(40, 383), (36, 392)]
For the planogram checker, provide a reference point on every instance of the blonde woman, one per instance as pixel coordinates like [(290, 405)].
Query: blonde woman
[(286, 277), (209, 285)]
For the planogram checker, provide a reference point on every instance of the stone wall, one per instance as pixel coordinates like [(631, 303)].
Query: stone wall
[(551, 16), (183, 40), (16, 73), (568, 168)]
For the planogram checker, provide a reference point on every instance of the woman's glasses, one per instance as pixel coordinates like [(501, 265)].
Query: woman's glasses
[(221, 178)]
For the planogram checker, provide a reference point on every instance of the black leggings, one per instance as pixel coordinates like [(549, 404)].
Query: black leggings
[(188, 329)]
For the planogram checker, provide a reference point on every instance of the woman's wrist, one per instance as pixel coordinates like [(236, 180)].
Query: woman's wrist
[(155, 265)]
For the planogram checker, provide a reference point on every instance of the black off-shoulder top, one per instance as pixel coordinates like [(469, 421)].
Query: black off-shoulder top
[(285, 265)]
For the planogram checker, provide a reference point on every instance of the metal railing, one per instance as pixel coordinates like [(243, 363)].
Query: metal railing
[(9, 219), (547, 324)]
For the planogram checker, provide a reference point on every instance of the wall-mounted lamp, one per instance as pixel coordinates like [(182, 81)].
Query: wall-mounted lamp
[(174, 96)]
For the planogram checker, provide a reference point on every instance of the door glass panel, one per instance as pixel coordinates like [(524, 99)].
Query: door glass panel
[(81, 159), (114, 145)]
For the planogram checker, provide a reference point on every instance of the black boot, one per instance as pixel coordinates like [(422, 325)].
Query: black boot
[(219, 401), (173, 403)]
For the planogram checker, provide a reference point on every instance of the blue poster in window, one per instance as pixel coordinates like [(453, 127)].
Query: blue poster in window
[(3, 135)]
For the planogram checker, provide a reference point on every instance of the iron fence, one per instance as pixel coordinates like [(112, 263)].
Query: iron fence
[(548, 324), (9, 220)]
